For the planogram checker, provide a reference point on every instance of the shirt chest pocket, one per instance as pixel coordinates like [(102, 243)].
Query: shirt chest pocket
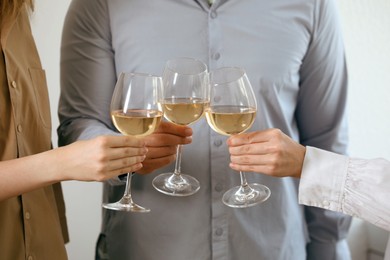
[(38, 80)]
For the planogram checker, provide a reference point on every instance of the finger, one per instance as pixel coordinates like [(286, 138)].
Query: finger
[(159, 139), (252, 149), (120, 141), (132, 168), (169, 128), (241, 139), (150, 165), (124, 152), (253, 137), (252, 159), (123, 163), (159, 152), (250, 168)]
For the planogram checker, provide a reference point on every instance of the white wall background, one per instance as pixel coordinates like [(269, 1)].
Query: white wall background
[(366, 29)]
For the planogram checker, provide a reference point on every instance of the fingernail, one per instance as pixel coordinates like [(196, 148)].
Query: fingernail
[(188, 131)]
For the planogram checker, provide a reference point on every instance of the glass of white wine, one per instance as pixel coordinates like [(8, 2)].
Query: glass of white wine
[(232, 111), (135, 111), (185, 98)]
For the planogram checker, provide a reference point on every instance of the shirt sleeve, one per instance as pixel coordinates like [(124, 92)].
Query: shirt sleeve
[(87, 73), (321, 119), (354, 186)]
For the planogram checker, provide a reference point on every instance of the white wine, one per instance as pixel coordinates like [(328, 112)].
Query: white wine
[(184, 111), (230, 120), (137, 122)]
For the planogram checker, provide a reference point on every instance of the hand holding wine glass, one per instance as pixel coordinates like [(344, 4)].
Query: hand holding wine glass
[(135, 111), (185, 97), (232, 111), (162, 146)]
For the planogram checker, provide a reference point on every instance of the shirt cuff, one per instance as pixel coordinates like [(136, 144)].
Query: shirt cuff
[(118, 180), (323, 179)]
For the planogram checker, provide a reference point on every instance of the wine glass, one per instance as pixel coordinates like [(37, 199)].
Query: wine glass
[(232, 111), (135, 111), (185, 97)]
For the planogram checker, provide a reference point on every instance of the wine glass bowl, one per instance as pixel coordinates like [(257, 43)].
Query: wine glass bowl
[(136, 122), (135, 111), (232, 110), (183, 111), (185, 98), (230, 120)]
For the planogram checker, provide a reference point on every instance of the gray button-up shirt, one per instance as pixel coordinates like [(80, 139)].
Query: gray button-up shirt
[(293, 53)]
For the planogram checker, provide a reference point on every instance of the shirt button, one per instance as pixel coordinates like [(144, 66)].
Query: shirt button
[(218, 187), (217, 99), (13, 84), (27, 215), (219, 231), (218, 143), (19, 128), (326, 203), (216, 56), (213, 14)]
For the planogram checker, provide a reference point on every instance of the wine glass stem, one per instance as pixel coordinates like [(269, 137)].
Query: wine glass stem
[(244, 182), (178, 160), (127, 194)]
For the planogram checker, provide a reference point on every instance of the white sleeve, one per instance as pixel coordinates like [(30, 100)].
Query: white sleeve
[(354, 186)]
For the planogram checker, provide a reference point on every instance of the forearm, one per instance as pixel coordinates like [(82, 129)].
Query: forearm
[(25, 174), (98, 159)]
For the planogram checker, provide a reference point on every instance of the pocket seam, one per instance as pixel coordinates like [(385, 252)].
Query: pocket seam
[(38, 76)]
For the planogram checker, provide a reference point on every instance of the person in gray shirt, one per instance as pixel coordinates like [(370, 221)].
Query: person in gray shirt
[(293, 53)]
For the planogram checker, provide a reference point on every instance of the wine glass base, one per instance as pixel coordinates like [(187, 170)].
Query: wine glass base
[(178, 185), (251, 195), (132, 207)]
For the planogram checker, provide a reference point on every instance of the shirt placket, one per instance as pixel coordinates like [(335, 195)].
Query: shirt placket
[(15, 91), (27, 227), (219, 223), (16, 103)]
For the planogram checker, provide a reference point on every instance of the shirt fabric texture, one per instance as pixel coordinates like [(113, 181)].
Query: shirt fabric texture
[(292, 51), (355, 186), (33, 225)]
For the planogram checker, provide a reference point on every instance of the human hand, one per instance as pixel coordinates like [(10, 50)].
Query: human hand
[(100, 158), (270, 152), (162, 145)]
